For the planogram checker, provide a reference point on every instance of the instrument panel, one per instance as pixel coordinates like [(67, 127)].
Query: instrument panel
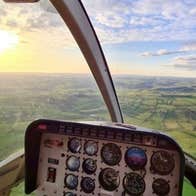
[(85, 159)]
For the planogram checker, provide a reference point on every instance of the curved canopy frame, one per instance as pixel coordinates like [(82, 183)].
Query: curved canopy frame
[(76, 18)]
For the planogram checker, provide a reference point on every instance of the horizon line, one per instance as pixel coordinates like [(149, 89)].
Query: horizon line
[(90, 74)]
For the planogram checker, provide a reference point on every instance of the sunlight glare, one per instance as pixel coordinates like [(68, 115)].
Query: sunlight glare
[(7, 40)]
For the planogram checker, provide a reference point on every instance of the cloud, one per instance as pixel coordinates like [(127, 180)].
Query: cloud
[(11, 23), (193, 11), (22, 12), (43, 20), (184, 62), (37, 16), (47, 6), (33, 23), (188, 47), (101, 6), (143, 20), (161, 52), (167, 9), (3, 12), (107, 14), (115, 21), (110, 20)]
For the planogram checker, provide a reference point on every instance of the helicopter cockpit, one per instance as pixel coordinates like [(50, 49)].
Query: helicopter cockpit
[(67, 158)]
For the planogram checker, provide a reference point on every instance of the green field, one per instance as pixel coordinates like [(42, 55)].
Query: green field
[(167, 104)]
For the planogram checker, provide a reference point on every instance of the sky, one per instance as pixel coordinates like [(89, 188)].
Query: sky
[(140, 37)]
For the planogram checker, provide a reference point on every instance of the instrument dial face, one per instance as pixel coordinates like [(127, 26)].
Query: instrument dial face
[(88, 185), (74, 145), (71, 181), (162, 162), (109, 179), (73, 163), (89, 166), (161, 187), (111, 154), (134, 184), (90, 148), (69, 194), (135, 158)]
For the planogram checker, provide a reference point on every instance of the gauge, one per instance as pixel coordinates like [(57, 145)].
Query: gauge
[(160, 187), (74, 145), (90, 148), (89, 166), (71, 181), (109, 179), (87, 184), (69, 194), (135, 158), (134, 184), (111, 154), (162, 162), (73, 163)]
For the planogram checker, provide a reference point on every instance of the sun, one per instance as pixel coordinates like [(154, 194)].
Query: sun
[(7, 40)]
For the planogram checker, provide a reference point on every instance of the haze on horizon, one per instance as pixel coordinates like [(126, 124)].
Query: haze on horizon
[(140, 37)]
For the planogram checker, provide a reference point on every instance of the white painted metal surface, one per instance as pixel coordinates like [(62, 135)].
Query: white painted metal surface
[(11, 172)]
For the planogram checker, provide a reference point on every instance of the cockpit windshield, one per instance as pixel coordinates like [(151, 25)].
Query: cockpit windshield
[(151, 51), (43, 73), (149, 46)]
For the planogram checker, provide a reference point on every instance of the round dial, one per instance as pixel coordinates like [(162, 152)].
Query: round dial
[(135, 158), (134, 184), (69, 194), (88, 185), (160, 187), (109, 179), (111, 154), (73, 163), (162, 162), (71, 181), (89, 166), (74, 145), (90, 148)]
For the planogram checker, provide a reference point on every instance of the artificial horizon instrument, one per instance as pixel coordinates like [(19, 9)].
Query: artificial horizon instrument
[(100, 158)]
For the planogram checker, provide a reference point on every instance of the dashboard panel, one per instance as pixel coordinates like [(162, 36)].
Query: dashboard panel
[(101, 159)]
